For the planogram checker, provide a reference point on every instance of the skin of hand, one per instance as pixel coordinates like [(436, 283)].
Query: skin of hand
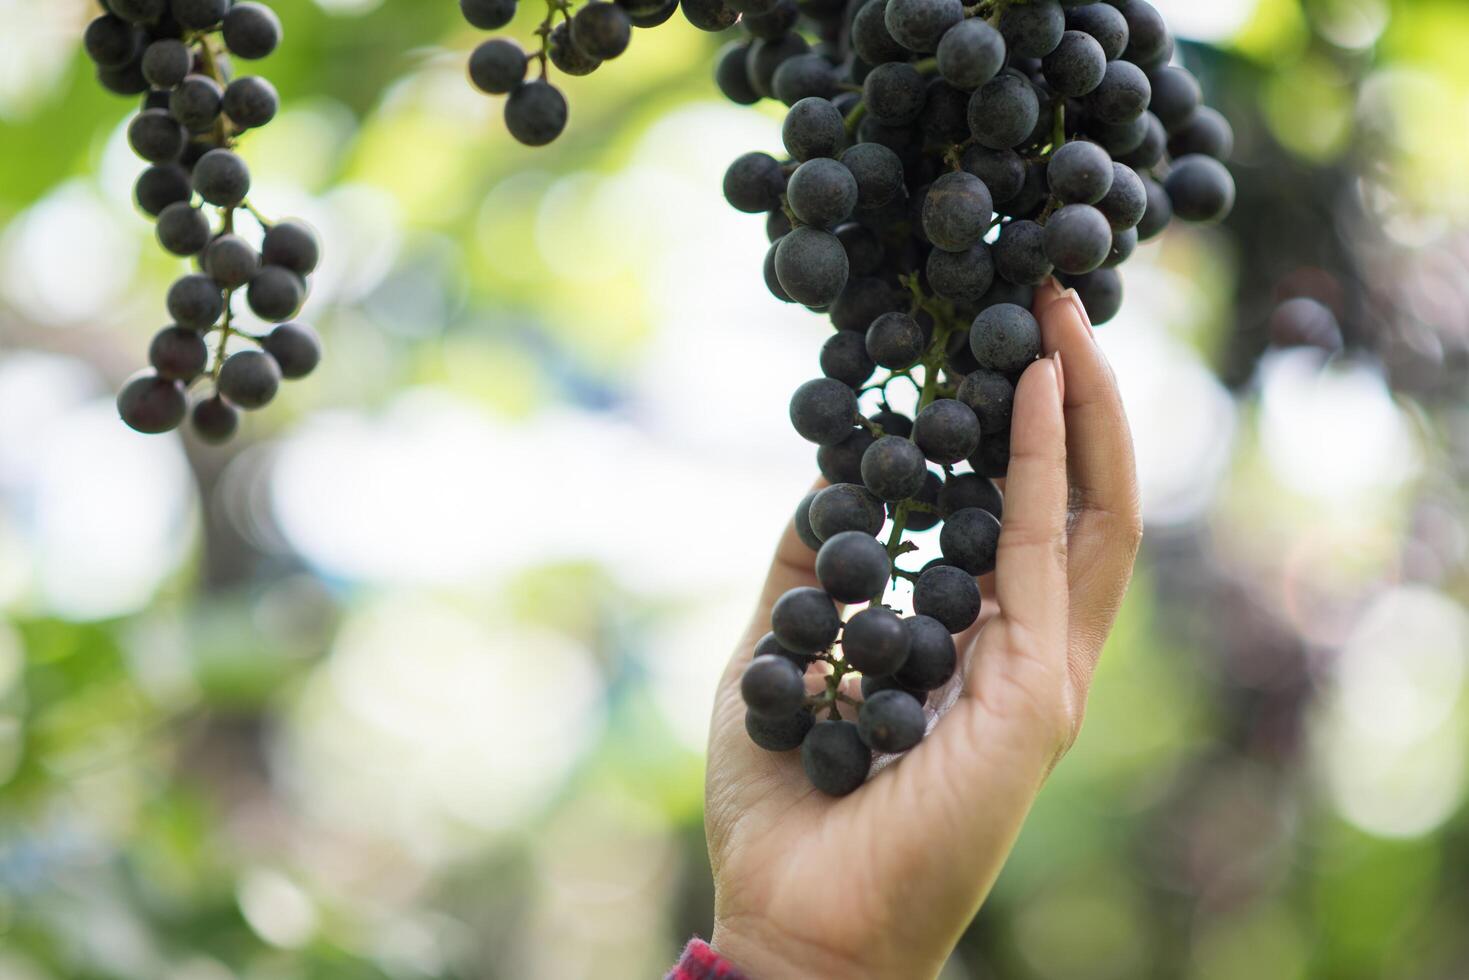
[(882, 883)]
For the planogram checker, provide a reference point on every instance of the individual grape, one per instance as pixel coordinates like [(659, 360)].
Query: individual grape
[(861, 301), (773, 687), (125, 80), (872, 685), (970, 53), (844, 357), (231, 261), (1103, 22), (215, 420), (1100, 292), (812, 266), (893, 468), (932, 658), (1126, 201), (535, 113), (822, 192), (601, 30), (949, 595), (805, 620), (222, 178), (194, 301), (876, 642), (1200, 188), (823, 411), (804, 76), (842, 463), (1303, 321), (963, 277), (1003, 171), (1123, 94), (1150, 149), (768, 645), (1033, 193), (152, 405), (845, 507), (249, 379), (1003, 112), (1176, 96), (1080, 173), (966, 490), (156, 136), (779, 734), (991, 397), (1159, 211), (137, 11), (295, 347), (919, 24), (250, 102), (878, 172), (754, 183), (853, 567), (566, 56), (835, 758), (957, 211), (1020, 254), (166, 63), (993, 458), (183, 229), (196, 15), (252, 30), (772, 281), (709, 15), (1124, 244), (1078, 238), (1148, 37), (766, 57), (731, 74), (771, 24), (970, 539), (891, 721), (1205, 132), (488, 15), (178, 354), (196, 103), (894, 92), (495, 67), (922, 520), (160, 186), (895, 341), (894, 423), (947, 431), (1005, 338), (865, 252), (814, 128), (871, 40), (292, 245), (802, 522), (111, 42), (1077, 66), (1034, 29)]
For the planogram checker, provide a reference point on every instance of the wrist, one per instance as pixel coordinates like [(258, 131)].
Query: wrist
[(765, 953)]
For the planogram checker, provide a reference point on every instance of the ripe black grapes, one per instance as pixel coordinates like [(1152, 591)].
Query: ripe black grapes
[(944, 160), (177, 54)]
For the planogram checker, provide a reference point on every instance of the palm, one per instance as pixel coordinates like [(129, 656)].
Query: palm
[(846, 879)]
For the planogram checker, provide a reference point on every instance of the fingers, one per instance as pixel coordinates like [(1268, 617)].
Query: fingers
[(1030, 577), (1103, 473)]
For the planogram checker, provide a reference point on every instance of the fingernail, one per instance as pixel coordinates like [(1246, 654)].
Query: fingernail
[(1060, 377), (1074, 298)]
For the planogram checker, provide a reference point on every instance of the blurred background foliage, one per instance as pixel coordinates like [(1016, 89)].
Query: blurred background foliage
[(414, 683)]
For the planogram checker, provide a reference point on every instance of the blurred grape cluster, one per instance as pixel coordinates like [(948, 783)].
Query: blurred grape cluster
[(414, 683)]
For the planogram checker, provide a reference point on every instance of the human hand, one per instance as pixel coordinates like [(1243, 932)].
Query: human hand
[(882, 883)]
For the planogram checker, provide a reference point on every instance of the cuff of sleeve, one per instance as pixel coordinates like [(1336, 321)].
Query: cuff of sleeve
[(700, 962)]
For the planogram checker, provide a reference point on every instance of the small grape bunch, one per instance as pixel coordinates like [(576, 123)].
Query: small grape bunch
[(176, 54), (942, 161), (535, 110)]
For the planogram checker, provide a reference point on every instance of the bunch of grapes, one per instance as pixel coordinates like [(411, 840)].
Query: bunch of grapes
[(176, 55), (944, 160), (535, 110)]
